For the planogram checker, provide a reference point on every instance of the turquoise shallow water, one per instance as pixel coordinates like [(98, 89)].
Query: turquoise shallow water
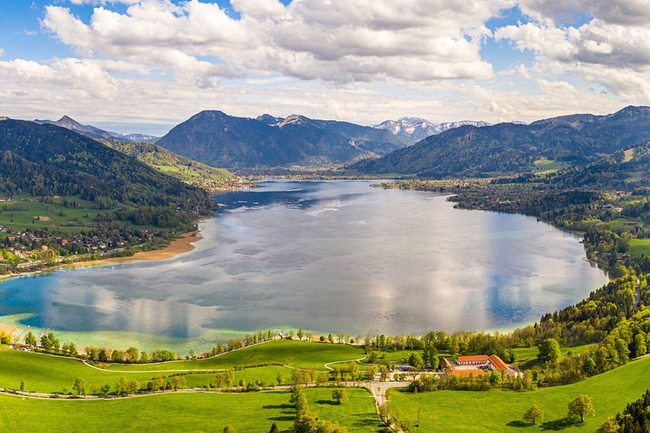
[(329, 257)]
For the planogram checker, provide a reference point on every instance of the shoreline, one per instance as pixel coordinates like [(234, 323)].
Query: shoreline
[(183, 244)]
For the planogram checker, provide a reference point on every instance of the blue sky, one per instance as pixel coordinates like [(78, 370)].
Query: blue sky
[(146, 65)]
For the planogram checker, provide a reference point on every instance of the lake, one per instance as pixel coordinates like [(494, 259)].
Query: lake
[(335, 256)]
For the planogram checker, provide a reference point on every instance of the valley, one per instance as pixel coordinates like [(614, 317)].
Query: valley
[(391, 312)]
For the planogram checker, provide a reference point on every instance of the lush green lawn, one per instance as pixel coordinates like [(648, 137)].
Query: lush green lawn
[(358, 414), (287, 352), (43, 373), (250, 375), (20, 214), (170, 412), (640, 247), (48, 374), (459, 411)]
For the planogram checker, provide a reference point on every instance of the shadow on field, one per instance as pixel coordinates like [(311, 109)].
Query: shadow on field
[(278, 406), (519, 423), (561, 424), (283, 418), (329, 402)]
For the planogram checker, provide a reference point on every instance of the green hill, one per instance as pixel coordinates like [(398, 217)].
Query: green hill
[(185, 169), (46, 161), (490, 411)]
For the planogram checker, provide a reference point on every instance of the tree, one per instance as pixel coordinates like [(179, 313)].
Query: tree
[(158, 383), (533, 415), (279, 378), (453, 348), (120, 386), (640, 347), (30, 340), (339, 396), (229, 429), (415, 360), (300, 334), (132, 355), (581, 406), (330, 338), (549, 351), (274, 429), (590, 365), (609, 426), (79, 386)]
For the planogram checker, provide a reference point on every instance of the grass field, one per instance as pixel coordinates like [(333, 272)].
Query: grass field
[(640, 247), (491, 411), (299, 354), (21, 213), (47, 374), (43, 373), (358, 414), (170, 412)]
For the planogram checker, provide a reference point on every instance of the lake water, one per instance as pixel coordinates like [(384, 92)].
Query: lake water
[(327, 257)]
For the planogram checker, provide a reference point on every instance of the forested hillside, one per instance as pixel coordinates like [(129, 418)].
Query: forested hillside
[(46, 160), (513, 148), (169, 163)]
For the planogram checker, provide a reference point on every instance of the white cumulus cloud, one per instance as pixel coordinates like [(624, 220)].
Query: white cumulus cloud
[(336, 40), (610, 46)]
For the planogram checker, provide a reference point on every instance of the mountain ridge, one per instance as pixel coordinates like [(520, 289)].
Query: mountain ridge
[(509, 148), (415, 128), (218, 139), (94, 132)]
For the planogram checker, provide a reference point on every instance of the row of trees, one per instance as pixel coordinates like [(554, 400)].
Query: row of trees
[(123, 387)]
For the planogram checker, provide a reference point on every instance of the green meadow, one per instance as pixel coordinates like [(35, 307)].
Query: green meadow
[(502, 411), (300, 354), (50, 374), (169, 412), (182, 412), (640, 247), (358, 414)]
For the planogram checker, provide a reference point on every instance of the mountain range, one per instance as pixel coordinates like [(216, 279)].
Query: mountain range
[(96, 133), (508, 148), (414, 129), (220, 140)]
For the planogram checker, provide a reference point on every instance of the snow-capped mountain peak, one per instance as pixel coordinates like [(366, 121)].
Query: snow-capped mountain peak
[(415, 129)]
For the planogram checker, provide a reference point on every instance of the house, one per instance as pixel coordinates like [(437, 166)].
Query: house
[(472, 360), (477, 365)]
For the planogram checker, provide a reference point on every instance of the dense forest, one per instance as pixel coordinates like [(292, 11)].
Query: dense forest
[(177, 166)]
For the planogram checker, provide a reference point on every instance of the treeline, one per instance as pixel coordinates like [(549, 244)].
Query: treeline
[(48, 342)]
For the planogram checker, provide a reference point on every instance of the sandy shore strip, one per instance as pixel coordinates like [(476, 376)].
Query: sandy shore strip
[(181, 245), (178, 246), (8, 328)]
